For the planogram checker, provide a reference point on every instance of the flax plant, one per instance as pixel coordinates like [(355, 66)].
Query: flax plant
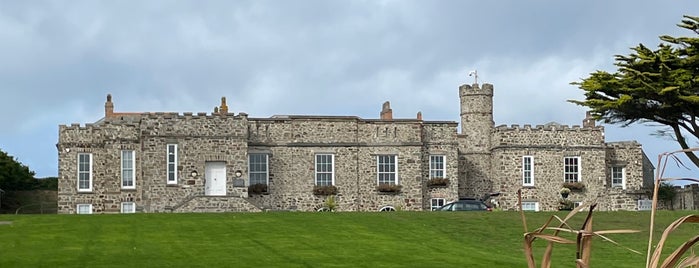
[(677, 258)]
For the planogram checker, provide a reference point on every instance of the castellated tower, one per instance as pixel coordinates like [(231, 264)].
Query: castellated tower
[(474, 141)]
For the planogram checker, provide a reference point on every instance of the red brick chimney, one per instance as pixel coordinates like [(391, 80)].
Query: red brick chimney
[(386, 112), (109, 106)]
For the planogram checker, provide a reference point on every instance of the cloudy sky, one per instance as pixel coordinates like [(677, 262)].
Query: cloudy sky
[(59, 60)]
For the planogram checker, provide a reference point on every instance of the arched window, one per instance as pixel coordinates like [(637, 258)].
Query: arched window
[(387, 208)]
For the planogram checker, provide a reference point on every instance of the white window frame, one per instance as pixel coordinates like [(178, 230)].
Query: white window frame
[(254, 171), (171, 165), (323, 167), (125, 208), (527, 170), (570, 175), (438, 166), (530, 206), (87, 210), (387, 209), (622, 172), (436, 203), (126, 171), (87, 172), (391, 173)]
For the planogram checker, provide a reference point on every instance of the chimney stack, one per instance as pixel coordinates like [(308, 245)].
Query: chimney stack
[(588, 121), (223, 110), (108, 106), (386, 112)]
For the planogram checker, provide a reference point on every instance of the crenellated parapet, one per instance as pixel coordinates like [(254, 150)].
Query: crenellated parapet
[(549, 135)]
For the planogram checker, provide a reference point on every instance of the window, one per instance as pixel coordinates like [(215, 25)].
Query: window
[(618, 177), (325, 169), (571, 169), (128, 169), (387, 208), (172, 164), (528, 170), (84, 209), (530, 206), (437, 166), (259, 173), (128, 207), (437, 203), (84, 172), (387, 169)]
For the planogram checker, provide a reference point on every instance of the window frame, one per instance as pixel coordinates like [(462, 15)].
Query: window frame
[(529, 171), (88, 172), (319, 172), (265, 172), (133, 207), (622, 172), (434, 166), (434, 207), (171, 169), (527, 204), (78, 211), (132, 171), (394, 171), (576, 176)]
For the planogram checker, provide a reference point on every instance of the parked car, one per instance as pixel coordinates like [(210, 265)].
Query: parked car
[(465, 205)]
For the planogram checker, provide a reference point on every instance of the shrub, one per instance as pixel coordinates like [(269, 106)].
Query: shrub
[(565, 204), (325, 190), (388, 188), (437, 182), (258, 188)]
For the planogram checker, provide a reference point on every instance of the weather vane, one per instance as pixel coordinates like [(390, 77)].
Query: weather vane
[(474, 73)]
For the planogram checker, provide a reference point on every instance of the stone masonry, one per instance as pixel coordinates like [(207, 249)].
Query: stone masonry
[(482, 159)]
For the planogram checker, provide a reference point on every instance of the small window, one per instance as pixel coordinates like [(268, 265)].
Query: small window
[(84, 172), (325, 169), (128, 169), (259, 169), (387, 208), (172, 164), (84, 209), (387, 169), (618, 177), (437, 203), (571, 169), (437, 167), (128, 207), (530, 206), (528, 171)]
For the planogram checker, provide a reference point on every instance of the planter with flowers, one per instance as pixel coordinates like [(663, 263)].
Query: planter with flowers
[(437, 182), (574, 186), (388, 188), (564, 192)]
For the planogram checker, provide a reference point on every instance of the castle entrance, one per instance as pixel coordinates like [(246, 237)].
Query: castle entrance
[(215, 179)]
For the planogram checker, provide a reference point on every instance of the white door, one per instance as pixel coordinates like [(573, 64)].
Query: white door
[(215, 178)]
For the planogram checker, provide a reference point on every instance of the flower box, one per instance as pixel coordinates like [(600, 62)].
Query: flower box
[(437, 182), (574, 186), (258, 188), (325, 190), (388, 188)]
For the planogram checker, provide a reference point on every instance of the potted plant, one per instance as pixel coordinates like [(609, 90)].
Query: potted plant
[(388, 188), (564, 192), (574, 186), (437, 182), (324, 190), (258, 188), (565, 204)]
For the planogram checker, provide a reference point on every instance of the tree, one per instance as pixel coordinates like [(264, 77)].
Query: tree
[(667, 193), (14, 175), (651, 86)]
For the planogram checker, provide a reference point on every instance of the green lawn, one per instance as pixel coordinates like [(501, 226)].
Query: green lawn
[(295, 239)]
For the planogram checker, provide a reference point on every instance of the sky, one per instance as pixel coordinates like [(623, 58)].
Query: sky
[(59, 60)]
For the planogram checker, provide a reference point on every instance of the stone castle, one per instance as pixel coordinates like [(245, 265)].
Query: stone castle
[(222, 161)]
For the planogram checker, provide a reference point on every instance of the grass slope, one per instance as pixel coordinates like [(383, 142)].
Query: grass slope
[(401, 239)]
